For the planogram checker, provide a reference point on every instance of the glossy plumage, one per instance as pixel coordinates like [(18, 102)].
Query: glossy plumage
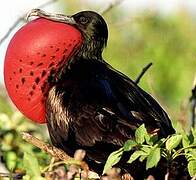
[(95, 107), (96, 104)]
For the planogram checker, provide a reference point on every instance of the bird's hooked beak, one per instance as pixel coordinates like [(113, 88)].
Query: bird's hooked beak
[(54, 17)]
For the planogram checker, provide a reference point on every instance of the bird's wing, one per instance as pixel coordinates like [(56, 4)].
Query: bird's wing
[(119, 108), (133, 105), (101, 111)]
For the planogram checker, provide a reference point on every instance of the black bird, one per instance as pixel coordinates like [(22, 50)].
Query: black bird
[(91, 105)]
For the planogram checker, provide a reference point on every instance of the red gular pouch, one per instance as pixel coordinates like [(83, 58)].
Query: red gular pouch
[(38, 49)]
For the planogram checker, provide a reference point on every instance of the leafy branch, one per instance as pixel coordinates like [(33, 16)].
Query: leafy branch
[(147, 147)]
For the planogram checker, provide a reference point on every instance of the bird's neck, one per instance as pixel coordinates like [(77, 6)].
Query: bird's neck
[(90, 50), (89, 53)]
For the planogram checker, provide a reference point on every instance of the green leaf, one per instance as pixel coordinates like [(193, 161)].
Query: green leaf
[(142, 158), (173, 142), (185, 141), (192, 168), (135, 155), (153, 139), (193, 132), (146, 149), (161, 142), (11, 159), (31, 166), (190, 154), (153, 158), (148, 138), (141, 134), (113, 159), (27, 177), (129, 144)]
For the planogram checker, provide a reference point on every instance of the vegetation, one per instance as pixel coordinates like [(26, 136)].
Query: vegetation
[(168, 42), (150, 148)]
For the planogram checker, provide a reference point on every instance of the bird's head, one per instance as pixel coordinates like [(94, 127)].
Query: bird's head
[(92, 26)]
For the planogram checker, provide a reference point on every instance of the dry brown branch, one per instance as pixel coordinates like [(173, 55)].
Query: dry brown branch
[(22, 19), (142, 73), (110, 6), (55, 152)]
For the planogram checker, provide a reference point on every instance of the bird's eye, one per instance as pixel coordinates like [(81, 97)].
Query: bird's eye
[(83, 20)]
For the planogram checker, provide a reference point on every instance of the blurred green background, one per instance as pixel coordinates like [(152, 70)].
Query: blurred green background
[(168, 41)]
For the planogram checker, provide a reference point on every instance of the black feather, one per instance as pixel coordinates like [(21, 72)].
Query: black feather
[(95, 107)]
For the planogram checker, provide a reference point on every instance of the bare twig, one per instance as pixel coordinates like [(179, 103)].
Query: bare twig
[(142, 73), (193, 104), (110, 6), (55, 152), (22, 19)]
